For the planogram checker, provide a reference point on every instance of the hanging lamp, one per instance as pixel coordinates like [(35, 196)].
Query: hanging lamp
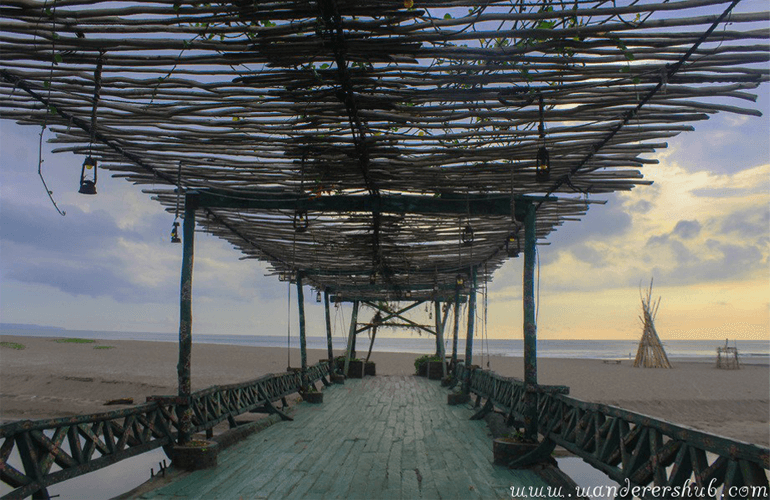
[(88, 174)]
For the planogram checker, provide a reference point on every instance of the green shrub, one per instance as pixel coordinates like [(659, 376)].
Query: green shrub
[(424, 359), (75, 340), (13, 345)]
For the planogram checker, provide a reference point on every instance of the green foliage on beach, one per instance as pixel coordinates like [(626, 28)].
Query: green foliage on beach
[(424, 359), (104, 347), (13, 345), (75, 340)]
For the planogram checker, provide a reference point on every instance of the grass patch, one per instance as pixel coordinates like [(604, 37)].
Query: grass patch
[(13, 345), (104, 347), (75, 340)]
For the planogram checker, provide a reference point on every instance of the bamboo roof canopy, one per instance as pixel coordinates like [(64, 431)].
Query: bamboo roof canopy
[(379, 147)]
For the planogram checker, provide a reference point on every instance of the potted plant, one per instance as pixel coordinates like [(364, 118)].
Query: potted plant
[(511, 446), (421, 364), (312, 395), (196, 454)]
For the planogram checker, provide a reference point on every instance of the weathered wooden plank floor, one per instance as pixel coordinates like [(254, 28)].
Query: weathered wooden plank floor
[(377, 438)]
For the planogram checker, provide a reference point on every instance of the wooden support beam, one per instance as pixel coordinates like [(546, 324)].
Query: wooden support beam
[(440, 336), (397, 314), (185, 317), (329, 333), (302, 341), (530, 326), (456, 326), (446, 204), (469, 331), (351, 337)]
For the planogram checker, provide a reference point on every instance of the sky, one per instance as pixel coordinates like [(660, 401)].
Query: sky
[(701, 231)]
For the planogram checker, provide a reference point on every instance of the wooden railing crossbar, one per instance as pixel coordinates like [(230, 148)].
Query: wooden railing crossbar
[(97, 440), (633, 449)]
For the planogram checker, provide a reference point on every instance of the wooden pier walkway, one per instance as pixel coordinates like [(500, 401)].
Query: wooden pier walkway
[(377, 438)]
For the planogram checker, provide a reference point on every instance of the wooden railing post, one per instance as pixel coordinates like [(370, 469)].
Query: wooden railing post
[(185, 317)]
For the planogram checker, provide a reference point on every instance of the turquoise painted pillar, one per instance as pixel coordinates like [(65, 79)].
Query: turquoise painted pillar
[(185, 318), (302, 341), (530, 326), (456, 326), (351, 337), (440, 336), (469, 333), (329, 333)]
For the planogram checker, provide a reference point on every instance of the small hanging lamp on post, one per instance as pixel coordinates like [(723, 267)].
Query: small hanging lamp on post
[(543, 160), (175, 228), (88, 172), (88, 176), (175, 233), (300, 221), (513, 245), (467, 235)]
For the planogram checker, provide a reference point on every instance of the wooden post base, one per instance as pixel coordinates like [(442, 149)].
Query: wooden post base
[(196, 455)]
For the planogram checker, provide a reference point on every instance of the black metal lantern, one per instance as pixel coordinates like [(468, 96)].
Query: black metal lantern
[(318, 296), (467, 236), (543, 165), (459, 281), (88, 176), (300, 221), (373, 278), (513, 245), (408, 294), (175, 233)]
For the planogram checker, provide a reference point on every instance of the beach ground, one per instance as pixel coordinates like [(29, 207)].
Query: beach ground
[(49, 379)]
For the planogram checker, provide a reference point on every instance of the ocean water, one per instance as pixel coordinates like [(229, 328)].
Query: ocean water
[(750, 350)]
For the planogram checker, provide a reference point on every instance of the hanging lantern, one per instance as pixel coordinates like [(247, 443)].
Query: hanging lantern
[(460, 281), (300, 221), (408, 294), (512, 245), (467, 236), (175, 233), (373, 278), (543, 165), (88, 176), (318, 296)]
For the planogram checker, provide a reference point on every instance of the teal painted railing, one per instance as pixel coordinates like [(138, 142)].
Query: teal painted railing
[(101, 439), (658, 458)]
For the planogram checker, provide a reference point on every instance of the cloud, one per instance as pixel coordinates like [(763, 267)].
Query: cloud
[(588, 254), (726, 143), (42, 228), (687, 229)]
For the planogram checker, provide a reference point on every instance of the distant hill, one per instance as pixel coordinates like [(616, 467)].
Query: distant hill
[(24, 326)]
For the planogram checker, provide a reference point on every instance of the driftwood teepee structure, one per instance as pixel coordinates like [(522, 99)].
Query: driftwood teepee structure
[(650, 353)]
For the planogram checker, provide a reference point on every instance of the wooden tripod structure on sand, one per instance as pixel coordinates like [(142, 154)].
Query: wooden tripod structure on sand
[(650, 353)]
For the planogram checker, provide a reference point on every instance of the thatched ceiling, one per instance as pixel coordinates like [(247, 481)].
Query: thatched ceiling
[(395, 126)]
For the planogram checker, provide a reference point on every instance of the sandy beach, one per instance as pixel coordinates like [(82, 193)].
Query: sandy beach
[(52, 379)]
